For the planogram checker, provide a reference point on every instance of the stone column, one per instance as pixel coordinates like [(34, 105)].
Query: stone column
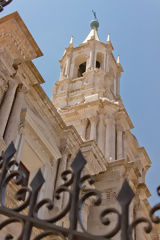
[(110, 139), (93, 133), (119, 143), (101, 131), (6, 106), (91, 58), (12, 125)]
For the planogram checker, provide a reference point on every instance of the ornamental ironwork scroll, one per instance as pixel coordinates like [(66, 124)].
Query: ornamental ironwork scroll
[(74, 186), (4, 3)]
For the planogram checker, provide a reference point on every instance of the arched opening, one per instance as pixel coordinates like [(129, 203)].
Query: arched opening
[(88, 130), (79, 65), (100, 60), (98, 65), (81, 69)]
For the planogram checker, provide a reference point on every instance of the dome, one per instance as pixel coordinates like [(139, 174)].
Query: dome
[(94, 24)]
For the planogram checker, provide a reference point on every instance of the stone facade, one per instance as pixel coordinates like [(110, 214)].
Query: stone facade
[(87, 113)]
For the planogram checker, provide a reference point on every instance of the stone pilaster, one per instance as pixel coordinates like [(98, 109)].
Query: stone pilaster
[(101, 131), (119, 142), (93, 133), (110, 138), (107, 63), (105, 60), (83, 128), (5, 108), (68, 64), (13, 122), (118, 84)]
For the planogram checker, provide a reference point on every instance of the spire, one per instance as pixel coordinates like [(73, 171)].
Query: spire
[(71, 41), (108, 37), (118, 60), (94, 29)]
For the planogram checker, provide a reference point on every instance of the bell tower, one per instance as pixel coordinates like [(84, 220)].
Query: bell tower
[(87, 94)]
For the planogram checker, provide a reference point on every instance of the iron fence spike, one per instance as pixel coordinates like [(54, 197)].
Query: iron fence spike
[(79, 162)]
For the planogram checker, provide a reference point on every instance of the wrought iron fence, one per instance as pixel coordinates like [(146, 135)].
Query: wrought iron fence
[(4, 3), (73, 185)]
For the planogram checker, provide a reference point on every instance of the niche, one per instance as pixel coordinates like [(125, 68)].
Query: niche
[(81, 69)]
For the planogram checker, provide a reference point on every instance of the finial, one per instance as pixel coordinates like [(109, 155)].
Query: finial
[(94, 14), (108, 37), (118, 60), (71, 41)]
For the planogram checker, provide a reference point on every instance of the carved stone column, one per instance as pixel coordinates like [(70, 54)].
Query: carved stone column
[(12, 125), (93, 133), (6, 106), (110, 138), (101, 131)]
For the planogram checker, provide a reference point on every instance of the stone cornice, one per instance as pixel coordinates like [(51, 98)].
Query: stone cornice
[(13, 29), (70, 110), (124, 118)]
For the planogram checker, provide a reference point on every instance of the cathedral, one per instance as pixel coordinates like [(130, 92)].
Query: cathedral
[(86, 113)]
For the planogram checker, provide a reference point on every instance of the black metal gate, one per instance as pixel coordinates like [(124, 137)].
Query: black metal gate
[(73, 184)]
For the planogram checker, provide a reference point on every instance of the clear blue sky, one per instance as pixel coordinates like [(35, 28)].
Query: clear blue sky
[(135, 34)]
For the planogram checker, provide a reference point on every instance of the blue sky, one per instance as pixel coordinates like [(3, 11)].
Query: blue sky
[(135, 34)]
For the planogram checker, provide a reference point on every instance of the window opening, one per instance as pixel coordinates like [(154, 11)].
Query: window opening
[(81, 69), (98, 65)]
